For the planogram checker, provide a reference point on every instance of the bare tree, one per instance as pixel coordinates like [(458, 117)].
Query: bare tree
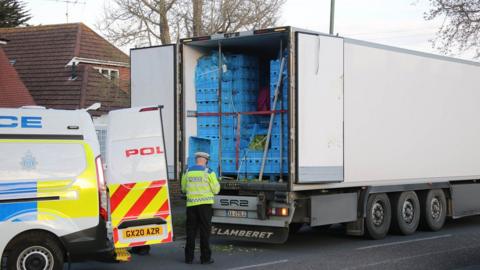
[(151, 22), (197, 17), (460, 30)]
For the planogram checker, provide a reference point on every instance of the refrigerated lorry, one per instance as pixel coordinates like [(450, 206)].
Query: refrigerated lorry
[(378, 138)]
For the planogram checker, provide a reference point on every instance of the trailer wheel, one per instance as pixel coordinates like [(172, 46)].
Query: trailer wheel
[(434, 208), (379, 215), (405, 212), (34, 250)]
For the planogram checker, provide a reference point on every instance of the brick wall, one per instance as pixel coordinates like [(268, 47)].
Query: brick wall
[(175, 192)]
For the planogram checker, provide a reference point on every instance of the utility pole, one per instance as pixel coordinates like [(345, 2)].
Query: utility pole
[(332, 15)]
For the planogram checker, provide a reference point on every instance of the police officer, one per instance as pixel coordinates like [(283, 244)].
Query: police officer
[(200, 184)]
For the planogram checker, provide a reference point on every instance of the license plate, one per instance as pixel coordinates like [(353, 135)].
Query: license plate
[(237, 213), (142, 232)]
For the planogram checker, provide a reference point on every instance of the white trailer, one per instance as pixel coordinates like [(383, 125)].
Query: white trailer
[(379, 137)]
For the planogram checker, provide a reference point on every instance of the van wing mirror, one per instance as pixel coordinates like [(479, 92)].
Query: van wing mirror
[(95, 106)]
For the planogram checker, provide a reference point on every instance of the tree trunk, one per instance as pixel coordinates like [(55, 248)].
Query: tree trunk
[(164, 24), (197, 17)]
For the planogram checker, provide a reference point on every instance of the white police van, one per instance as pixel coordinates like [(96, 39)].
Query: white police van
[(54, 201)]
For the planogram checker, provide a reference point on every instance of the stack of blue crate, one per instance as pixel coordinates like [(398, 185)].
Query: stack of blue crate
[(240, 84), (279, 137), (206, 87), (239, 91)]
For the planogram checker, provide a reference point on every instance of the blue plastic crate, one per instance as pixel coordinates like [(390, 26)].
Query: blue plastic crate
[(227, 86), (207, 106), (198, 144), (228, 165), (245, 85), (241, 60), (206, 94), (227, 76), (207, 121), (245, 73), (273, 166), (207, 131)]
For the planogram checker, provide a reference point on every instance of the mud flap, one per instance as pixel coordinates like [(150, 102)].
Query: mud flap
[(274, 235)]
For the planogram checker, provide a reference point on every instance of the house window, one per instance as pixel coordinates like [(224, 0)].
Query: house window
[(108, 73)]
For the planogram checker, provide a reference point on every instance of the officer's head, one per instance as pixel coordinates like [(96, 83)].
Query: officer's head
[(202, 158)]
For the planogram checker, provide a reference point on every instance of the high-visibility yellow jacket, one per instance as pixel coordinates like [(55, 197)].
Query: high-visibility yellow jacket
[(200, 184)]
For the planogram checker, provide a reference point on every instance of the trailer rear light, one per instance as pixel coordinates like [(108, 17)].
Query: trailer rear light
[(149, 109), (102, 190), (278, 211)]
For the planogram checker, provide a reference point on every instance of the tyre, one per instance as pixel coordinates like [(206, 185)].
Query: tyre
[(32, 251), (434, 209), (379, 215), (405, 212)]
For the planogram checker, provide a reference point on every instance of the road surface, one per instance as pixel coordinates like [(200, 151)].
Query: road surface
[(457, 246)]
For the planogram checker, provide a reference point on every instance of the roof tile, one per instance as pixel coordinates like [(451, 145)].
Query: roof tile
[(41, 54), (13, 92)]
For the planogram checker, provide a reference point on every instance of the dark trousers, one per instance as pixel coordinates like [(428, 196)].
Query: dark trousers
[(199, 218)]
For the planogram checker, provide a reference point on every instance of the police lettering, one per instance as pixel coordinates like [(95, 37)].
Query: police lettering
[(7, 121), (144, 151)]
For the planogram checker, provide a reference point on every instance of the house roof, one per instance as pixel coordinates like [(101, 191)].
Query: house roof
[(98, 89), (13, 92), (41, 54)]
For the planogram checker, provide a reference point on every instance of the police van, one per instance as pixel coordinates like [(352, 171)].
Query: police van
[(55, 203)]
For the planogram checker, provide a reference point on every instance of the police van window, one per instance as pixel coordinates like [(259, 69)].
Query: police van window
[(24, 161), (102, 140)]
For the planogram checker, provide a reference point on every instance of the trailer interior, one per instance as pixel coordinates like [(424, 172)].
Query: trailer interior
[(247, 135)]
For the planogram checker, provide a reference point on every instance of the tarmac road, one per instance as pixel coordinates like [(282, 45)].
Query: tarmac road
[(457, 246)]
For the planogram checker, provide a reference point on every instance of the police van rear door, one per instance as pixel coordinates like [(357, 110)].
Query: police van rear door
[(137, 178)]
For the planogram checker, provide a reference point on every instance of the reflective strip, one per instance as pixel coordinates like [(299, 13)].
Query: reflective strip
[(137, 201), (199, 192), (17, 187), (203, 199), (197, 185)]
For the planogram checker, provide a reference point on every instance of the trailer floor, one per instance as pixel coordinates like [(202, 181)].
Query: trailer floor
[(457, 246)]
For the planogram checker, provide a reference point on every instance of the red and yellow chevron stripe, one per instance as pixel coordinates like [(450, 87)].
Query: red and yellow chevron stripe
[(142, 200)]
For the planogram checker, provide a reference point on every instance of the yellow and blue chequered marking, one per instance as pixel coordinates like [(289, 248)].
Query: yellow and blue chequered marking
[(14, 208), (52, 199)]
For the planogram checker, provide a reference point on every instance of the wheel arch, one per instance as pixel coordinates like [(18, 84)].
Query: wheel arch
[(40, 231)]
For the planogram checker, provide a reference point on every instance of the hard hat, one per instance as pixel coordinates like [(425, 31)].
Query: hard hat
[(202, 155)]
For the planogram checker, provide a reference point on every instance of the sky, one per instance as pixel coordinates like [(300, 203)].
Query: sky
[(398, 23)]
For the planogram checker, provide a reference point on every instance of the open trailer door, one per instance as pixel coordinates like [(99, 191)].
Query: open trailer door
[(137, 178), (153, 81), (320, 101)]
